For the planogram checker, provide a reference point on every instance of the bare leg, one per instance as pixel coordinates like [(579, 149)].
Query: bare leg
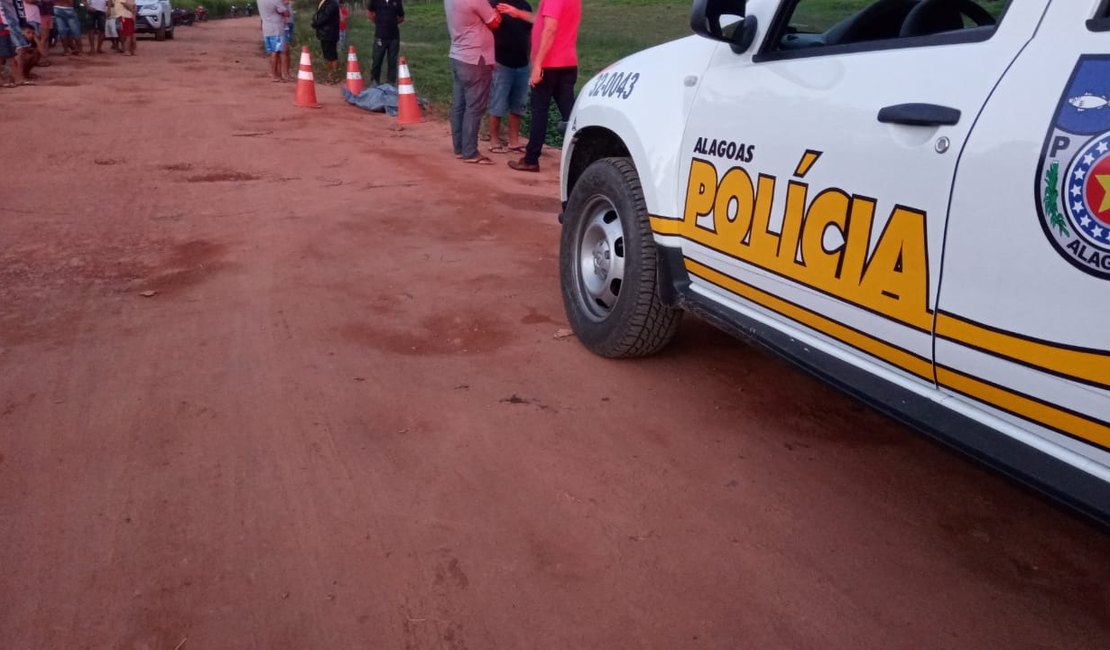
[(131, 44), (495, 130), (275, 66), (15, 68), (514, 130)]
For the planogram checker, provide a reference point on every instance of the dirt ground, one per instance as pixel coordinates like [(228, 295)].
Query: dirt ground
[(344, 420)]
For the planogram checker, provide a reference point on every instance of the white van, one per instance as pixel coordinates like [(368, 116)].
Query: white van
[(909, 198)]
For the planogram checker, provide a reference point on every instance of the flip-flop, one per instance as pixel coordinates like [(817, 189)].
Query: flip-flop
[(28, 83), (478, 160), (518, 149), (499, 148), (8, 85)]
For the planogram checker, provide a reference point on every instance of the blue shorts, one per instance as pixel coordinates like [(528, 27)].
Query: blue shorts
[(15, 34), (274, 44), (509, 92), (66, 22)]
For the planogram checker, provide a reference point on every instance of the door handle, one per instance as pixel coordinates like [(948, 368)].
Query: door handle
[(919, 115)]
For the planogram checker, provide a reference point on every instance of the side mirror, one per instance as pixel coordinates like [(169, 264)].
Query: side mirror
[(705, 20)]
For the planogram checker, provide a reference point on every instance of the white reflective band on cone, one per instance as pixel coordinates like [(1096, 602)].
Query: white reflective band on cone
[(354, 75), (403, 71), (406, 89), (351, 56), (305, 60), (304, 74)]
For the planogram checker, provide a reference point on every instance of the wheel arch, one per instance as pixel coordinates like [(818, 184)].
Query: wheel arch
[(589, 145)]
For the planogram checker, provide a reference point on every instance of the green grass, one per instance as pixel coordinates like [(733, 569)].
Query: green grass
[(611, 29)]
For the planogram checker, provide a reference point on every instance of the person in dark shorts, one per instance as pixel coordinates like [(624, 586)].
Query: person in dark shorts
[(97, 11), (509, 91), (387, 15), (326, 24)]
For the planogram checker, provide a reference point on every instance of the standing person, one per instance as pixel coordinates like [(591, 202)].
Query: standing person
[(32, 15), (69, 27), (111, 26), (124, 12), (554, 68), (387, 15), (509, 92), (326, 24), (272, 13), (10, 16), (344, 14), (286, 57), (10, 47), (46, 15), (98, 13), (471, 24)]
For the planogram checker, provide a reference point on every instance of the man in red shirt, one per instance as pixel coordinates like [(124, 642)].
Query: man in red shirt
[(554, 68)]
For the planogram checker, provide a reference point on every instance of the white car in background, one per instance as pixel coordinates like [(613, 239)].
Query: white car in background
[(155, 17)]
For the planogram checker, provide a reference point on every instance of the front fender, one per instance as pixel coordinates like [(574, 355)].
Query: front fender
[(647, 113)]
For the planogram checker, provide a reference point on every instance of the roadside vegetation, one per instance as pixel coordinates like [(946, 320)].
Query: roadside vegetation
[(216, 8), (611, 29)]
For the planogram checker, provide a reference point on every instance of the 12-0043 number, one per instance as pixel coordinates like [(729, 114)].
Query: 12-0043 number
[(615, 84)]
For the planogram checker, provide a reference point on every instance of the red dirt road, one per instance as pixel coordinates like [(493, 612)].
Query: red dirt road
[(343, 420)]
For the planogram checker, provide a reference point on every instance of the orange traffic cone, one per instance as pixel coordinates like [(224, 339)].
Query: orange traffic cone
[(354, 77), (408, 109), (306, 87)]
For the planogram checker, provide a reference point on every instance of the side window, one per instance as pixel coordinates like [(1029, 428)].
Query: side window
[(874, 24)]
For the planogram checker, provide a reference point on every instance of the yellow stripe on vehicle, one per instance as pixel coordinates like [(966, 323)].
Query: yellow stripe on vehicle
[(1089, 366), (1066, 422), (891, 354)]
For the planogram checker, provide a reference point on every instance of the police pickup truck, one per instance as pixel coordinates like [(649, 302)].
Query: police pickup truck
[(909, 198)]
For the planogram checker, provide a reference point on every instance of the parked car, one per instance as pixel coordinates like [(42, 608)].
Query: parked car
[(909, 198), (155, 17)]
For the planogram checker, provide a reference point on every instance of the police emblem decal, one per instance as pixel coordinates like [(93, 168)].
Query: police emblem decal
[(1073, 177)]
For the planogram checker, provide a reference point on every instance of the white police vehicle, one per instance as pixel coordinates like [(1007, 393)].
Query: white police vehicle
[(910, 198), (154, 17)]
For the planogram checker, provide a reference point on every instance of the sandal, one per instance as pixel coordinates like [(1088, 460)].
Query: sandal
[(478, 160), (520, 148), (499, 148), (27, 82), (10, 84)]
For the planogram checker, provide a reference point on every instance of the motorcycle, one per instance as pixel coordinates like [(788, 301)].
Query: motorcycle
[(183, 16), (201, 13)]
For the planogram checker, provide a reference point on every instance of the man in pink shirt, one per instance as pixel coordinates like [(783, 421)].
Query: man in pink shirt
[(554, 68)]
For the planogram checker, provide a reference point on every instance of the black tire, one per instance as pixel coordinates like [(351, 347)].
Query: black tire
[(160, 34), (629, 318), (169, 34)]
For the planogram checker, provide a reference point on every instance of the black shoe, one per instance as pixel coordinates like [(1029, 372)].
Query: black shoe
[(523, 165)]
